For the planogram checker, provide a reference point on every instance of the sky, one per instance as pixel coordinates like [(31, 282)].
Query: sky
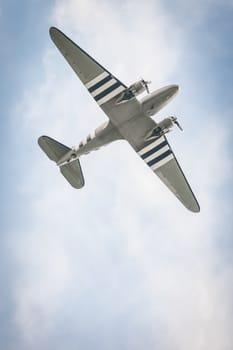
[(120, 263)]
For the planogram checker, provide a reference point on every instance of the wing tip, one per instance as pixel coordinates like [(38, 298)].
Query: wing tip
[(195, 208), (53, 31), (41, 139)]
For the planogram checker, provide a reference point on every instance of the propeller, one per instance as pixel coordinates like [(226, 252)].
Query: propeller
[(174, 119), (146, 83)]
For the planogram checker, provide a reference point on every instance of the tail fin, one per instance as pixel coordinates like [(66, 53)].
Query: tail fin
[(55, 151)]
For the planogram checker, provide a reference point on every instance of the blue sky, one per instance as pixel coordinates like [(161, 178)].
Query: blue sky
[(119, 264)]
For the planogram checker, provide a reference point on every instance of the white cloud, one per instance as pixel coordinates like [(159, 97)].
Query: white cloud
[(127, 35), (123, 240)]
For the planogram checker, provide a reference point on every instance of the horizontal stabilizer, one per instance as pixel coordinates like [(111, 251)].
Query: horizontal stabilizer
[(73, 173), (54, 149)]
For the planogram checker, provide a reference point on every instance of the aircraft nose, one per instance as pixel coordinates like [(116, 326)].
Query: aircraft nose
[(174, 88), (169, 91)]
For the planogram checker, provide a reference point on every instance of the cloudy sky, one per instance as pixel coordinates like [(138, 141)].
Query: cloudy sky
[(120, 264)]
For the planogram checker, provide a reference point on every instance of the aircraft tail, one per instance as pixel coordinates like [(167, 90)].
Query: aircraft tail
[(55, 151)]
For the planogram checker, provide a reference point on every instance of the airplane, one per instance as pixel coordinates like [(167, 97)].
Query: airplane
[(129, 119)]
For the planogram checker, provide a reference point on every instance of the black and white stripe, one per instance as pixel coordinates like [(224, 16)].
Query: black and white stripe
[(104, 87), (157, 153)]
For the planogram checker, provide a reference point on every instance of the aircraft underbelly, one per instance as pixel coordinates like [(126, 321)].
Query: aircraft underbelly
[(135, 130), (130, 121), (120, 113)]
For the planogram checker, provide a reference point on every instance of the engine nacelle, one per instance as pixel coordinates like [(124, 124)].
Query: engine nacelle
[(161, 128), (166, 124), (134, 90), (138, 87)]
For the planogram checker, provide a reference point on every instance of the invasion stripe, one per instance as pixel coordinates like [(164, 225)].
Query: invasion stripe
[(111, 95), (154, 150), (151, 145), (107, 91), (103, 87), (100, 83), (96, 79), (162, 162), (157, 159), (156, 154)]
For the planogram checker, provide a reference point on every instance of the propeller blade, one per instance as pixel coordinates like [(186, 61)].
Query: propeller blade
[(179, 126), (174, 119), (145, 83)]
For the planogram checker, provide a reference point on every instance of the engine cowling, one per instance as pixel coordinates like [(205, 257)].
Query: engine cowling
[(138, 87), (166, 124), (135, 89), (161, 128)]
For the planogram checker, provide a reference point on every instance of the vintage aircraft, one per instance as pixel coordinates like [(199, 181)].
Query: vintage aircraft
[(129, 119)]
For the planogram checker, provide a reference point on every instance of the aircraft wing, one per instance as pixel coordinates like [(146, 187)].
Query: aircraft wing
[(158, 155), (102, 85)]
